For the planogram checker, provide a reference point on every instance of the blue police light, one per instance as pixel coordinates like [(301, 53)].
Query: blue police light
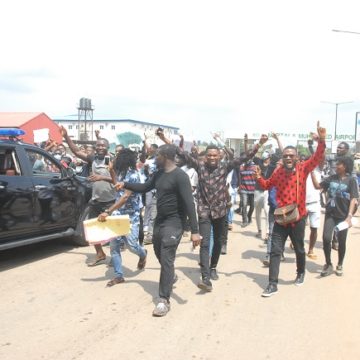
[(11, 132)]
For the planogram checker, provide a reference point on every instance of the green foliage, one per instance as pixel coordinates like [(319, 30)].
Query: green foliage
[(128, 138)]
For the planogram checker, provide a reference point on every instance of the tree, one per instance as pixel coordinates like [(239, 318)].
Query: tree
[(128, 138)]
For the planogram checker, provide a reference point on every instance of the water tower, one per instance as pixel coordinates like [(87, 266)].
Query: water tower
[(85, 120)]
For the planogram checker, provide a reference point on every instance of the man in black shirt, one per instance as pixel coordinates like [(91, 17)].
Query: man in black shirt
[(174, 203)]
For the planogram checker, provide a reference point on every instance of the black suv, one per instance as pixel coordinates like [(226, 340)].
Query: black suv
[(40, 199)]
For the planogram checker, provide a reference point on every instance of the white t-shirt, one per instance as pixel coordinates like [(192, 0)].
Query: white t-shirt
[(192, 174), (312, 194)]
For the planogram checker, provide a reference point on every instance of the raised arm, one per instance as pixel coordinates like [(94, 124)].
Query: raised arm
[(188, 159), (315, 158), (160, 133), (75, 150), (229, 153), (250, 154), (275, 136), (138, 187)]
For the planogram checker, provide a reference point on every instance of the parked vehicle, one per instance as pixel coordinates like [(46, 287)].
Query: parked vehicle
[(40, 199)]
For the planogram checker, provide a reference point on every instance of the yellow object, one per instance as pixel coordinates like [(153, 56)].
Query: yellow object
[(97, 232)]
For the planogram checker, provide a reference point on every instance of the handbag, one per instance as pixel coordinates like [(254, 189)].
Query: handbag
[(290, 213)]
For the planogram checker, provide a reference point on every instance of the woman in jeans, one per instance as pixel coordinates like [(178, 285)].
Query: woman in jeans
[(342, 194)]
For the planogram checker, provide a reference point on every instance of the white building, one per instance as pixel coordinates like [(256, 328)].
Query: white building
[(114, 129)]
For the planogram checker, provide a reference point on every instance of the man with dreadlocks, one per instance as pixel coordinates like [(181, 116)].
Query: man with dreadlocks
[(127, 203)]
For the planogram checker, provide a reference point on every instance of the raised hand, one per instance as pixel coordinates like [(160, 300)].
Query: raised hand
[(63, 131), (321, 131)]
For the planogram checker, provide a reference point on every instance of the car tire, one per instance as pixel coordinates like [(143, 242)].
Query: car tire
[(79, 237)]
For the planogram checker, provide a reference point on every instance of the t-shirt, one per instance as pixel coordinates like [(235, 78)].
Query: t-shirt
[(174, 196), (102, 191), (340, 192), (312, 194)]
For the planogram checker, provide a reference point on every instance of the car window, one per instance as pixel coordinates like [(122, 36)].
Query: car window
[(43, 165), (9, 163)]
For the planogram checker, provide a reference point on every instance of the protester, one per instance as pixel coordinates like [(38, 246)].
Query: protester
[(174, 202), (290, 183), (212, 204), (127, 203), (103, 192), (343, 193)]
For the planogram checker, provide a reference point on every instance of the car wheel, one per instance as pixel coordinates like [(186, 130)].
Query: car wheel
[(79, 238)]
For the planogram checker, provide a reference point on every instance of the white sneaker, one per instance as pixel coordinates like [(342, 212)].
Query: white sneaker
[(162, 308)]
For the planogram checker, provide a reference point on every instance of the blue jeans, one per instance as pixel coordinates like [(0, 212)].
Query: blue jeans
[(132, 242)]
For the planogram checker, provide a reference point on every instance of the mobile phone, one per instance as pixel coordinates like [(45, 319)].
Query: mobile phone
[(107, 160)]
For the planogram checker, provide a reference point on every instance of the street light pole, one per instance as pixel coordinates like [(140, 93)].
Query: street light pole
[(336, 111), (356, 124)]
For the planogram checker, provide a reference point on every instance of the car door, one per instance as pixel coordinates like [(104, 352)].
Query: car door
[(55, 196), (16, 200)]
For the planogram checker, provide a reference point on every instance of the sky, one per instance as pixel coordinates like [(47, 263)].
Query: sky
[(231, 66)]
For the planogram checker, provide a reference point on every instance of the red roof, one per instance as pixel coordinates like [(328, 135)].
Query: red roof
[(16, 119)]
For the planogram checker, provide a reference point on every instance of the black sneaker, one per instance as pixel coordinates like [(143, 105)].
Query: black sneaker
[(258, 235), (205, 284), (270, 290), (213, 274), (327, 270), (299, 279)]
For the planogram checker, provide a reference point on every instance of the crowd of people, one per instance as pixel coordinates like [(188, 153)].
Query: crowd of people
[(168, 193)]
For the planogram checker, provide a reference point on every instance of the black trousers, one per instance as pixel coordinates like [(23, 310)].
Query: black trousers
[(329, 225), (280, 233), (166, 238), (205, 230)]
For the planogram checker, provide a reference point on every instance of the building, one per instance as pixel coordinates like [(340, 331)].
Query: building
[(35, 124), (117, 131)]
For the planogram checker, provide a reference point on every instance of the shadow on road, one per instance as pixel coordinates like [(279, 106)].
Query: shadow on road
[(12, 258)]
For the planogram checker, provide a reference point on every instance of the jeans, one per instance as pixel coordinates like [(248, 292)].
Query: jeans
[(329, 225), (296, 232), (166, 238), (230, 216), (261, 200), (205, 225), (131, 240), (247, 199)]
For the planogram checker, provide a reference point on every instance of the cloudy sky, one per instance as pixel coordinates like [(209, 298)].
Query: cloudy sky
[(233, 66)]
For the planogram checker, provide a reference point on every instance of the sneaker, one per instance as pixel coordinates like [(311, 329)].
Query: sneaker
[(142, 262), (162, 308), (223, 249), (213, 274), (299, 279), (205, 284), (148, 239), (270, 290), (258, 235), (327, 270), (266, 261), (339, 270)]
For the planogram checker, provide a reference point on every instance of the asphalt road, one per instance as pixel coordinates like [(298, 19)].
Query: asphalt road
[(55, 307)]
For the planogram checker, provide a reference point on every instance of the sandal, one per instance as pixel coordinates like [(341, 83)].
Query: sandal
[(142, 262), (115, 281), (312, 256), (97, 261)]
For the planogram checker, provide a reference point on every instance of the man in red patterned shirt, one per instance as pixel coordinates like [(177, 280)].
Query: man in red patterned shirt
[(290, 183)]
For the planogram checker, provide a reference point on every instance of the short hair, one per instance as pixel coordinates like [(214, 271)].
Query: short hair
[(348, 163), (155, 146), (345, 144), (105, 141), (290, 147), (212, 147), (168, 151)]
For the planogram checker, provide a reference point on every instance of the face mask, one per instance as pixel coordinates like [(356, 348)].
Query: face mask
[(57, 156)]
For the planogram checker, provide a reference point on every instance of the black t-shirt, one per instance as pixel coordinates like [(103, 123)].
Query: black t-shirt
[(174, 196), (340, 192)]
